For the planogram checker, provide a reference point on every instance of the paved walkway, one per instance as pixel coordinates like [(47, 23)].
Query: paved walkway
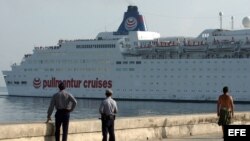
[(207, 137)]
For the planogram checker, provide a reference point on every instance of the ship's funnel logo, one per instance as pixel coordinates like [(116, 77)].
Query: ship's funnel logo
[(130, 23), (37, 83)]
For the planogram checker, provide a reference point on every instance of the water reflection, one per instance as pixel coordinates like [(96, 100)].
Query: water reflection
[(19, 109)]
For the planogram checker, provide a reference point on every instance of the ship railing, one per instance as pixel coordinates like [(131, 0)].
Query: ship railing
[(143, 47), (111, 39), (167, 44), (157, 44), (47, 48), (199, 48), (225, 44), (245, 46), (194, 43), (168, 48)]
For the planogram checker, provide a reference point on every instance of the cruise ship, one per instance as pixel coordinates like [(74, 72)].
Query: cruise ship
[(138, 64)]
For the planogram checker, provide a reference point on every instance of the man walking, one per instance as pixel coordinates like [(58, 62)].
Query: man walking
[(64, 103), (108, 109), (225, 108)]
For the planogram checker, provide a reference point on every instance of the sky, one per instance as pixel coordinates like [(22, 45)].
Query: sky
[(25, 24)]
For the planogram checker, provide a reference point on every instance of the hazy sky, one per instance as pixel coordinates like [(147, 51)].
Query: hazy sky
[(28, 23)]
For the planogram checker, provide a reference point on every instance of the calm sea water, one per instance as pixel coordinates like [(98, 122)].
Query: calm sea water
[(27, 109)]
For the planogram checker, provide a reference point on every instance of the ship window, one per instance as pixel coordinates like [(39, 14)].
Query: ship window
[(131, 62), (138, 62), (125, 62), (23, 82), (205, 35), (131, 69)]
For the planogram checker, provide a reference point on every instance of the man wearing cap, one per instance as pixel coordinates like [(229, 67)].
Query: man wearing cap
[(108, 109), (64, 103)]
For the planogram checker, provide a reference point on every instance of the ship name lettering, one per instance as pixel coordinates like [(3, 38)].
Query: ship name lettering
[(71, 83), (97, 83)]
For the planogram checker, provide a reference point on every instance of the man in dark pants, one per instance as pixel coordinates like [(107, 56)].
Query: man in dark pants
[(108, 109), (65, 103), (225, 108)]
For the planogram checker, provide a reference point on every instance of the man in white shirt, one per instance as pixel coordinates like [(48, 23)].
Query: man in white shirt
[(108, 109)]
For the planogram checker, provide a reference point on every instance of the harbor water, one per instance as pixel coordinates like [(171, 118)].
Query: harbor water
[(32, 109)]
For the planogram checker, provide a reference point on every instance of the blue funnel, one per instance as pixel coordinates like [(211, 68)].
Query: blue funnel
[(132, 21)]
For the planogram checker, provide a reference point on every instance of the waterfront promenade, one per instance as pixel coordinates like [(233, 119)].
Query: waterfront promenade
[(204, 137), (193, 127)]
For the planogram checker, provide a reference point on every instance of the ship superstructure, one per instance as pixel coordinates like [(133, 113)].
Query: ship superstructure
[(139, 64)]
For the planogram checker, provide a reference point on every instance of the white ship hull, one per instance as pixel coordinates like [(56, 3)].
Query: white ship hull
[(176, 79), (154, 71)]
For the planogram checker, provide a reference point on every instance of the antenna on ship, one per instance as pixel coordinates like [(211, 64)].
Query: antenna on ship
[(232, 20), (220, 14)]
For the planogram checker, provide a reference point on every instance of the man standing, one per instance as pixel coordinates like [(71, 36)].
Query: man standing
[(225, 108), (108, 109), (64, 103)]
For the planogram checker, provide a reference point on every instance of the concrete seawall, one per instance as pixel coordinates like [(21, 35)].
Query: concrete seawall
[(126, 129)]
